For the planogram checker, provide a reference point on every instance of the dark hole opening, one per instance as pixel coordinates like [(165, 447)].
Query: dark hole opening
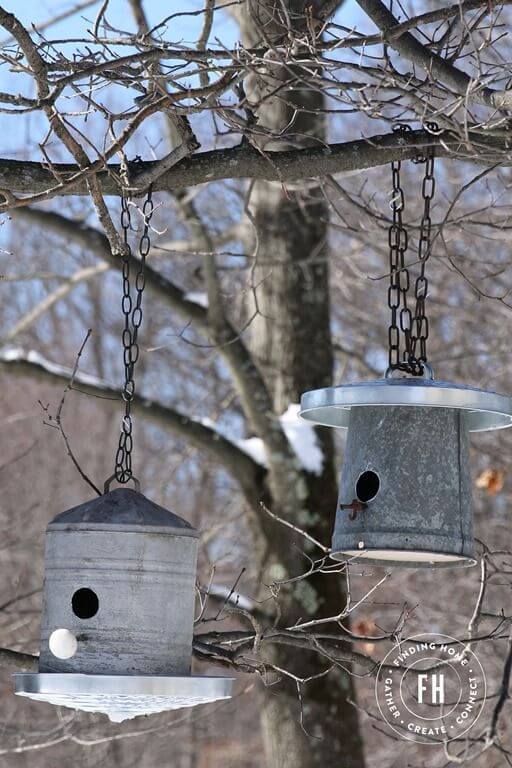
[(85, 603), (367, 486)]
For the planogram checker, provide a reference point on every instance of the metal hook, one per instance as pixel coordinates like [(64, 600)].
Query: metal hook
[(428, 372), (110, 480)]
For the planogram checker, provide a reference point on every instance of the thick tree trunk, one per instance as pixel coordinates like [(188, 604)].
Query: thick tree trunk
[(291, 341)]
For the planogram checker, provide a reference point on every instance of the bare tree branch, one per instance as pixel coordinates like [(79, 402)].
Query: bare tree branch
[(18, 661), (82, 275), (246, 377), (407, 45), (19, 176), (244, 469)]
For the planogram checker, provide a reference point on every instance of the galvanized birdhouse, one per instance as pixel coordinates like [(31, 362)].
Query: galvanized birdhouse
[(118, 611), (405, 490)]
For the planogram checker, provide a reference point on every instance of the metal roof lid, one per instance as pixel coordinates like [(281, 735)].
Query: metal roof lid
[(331, 406), (122, 508)]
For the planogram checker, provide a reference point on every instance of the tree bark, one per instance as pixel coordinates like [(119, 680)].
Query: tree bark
[(291, 342), (25, 177)]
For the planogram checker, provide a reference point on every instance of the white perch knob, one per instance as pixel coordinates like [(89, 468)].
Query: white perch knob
[(63, 644)]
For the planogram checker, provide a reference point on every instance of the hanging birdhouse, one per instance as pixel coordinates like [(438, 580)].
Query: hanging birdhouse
[(118, 611), (405, 490)]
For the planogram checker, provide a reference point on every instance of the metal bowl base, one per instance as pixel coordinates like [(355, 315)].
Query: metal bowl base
[(121, 697)]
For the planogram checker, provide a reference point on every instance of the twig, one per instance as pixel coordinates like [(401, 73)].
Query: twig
[(295, 528), (58, 417)]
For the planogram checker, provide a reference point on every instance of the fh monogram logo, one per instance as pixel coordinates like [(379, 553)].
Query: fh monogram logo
[(433, 684), (430, 688)]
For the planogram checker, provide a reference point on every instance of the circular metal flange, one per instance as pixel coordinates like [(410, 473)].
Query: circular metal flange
[(121, 697), (331, 406), (401, 558)]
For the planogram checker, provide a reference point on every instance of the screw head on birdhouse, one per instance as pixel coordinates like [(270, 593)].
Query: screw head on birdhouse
[(405, 489), (118, 611)]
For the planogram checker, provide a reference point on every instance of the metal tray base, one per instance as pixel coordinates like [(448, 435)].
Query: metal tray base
[(121, 697)]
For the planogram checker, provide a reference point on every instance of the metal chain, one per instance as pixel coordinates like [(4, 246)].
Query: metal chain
[(398, 274), (415, 328), (132, 312)]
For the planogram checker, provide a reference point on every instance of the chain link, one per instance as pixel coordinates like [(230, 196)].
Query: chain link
[(415, 328), (132, 311)]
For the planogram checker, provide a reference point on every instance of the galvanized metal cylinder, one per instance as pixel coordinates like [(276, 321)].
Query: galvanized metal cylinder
[(410, 466), (120, 576)]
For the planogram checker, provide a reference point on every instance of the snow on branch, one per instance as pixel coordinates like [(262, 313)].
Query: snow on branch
[(15, 360), (300, 434), (197, 297)]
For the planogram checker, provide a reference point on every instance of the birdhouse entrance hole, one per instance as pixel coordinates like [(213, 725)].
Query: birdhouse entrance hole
[(85, 603), (367, 486)]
